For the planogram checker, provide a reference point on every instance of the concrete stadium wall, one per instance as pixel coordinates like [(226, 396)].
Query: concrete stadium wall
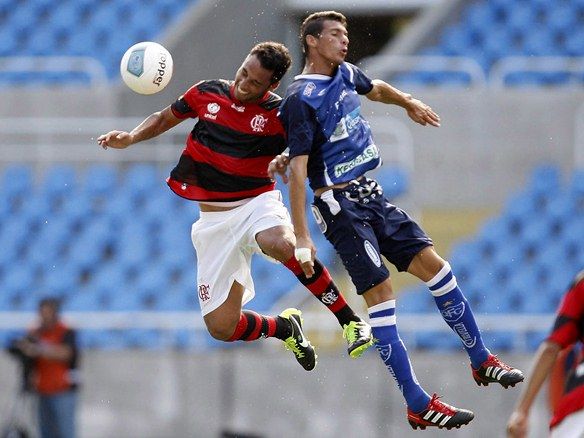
[(488, 143), (166, 394)]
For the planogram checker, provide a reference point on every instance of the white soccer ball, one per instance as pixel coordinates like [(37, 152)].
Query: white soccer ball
[(146, 67)]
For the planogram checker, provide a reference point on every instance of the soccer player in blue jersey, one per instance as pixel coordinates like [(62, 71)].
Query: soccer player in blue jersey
[(330, 143)]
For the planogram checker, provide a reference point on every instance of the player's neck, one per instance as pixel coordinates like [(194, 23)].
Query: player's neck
[(319, 67)]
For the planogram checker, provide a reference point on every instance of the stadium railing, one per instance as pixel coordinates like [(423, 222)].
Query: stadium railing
[(87, 66), (385, 66), (504, 67), (169, 322)]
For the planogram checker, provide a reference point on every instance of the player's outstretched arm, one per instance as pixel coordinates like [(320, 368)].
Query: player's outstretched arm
[(545, 357), (417, 110), (305, 249), (154, 125)]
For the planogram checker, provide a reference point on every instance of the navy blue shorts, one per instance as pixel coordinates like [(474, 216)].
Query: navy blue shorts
[(362, 224)]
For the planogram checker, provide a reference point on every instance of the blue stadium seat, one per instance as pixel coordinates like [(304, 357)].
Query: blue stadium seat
[(415, 300), (100, 180), (17, 180), (59, 181)]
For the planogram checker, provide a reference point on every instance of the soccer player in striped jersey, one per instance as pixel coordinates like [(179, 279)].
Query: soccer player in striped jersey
[(224, 167), (562, 352), (331, 143)]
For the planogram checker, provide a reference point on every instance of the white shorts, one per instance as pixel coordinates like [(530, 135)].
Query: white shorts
[(570, 427), (225, 242)]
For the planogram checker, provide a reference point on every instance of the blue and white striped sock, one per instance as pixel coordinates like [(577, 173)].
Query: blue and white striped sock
[(457, 313), (395, 356)]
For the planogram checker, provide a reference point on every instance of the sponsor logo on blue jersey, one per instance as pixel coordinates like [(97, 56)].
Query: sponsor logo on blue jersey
[(370, 153)]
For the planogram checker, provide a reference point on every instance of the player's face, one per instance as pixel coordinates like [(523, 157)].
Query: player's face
[(252, 81), (333, 42)]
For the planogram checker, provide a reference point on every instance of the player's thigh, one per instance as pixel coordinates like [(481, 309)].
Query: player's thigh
[(222, 321), (400, 237), (354, 241)]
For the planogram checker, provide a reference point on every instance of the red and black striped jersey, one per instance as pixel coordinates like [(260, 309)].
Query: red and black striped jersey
[(228, 151), (569, 330)]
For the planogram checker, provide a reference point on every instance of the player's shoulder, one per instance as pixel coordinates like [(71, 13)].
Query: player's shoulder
[(307, 89), (214, 86), (271, 102)]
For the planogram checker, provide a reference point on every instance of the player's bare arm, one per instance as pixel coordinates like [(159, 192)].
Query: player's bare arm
[(154, 125), (417, 110), (304, 243), (545, 357), (279, 165)]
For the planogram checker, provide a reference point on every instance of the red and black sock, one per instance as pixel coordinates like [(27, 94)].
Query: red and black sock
[(323, 287), (252, 326)]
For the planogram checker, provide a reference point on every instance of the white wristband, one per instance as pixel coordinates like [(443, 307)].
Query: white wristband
[(303, 255)]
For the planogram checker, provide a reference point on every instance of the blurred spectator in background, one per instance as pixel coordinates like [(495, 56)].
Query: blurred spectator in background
[(50, 356), (560, 356)]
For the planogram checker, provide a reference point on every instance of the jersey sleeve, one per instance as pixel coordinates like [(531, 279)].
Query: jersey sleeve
[(363, 83), (569, 324), (185, 106), (299, 123)]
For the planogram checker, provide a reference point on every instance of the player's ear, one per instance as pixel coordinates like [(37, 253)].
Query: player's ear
[(311, 40)]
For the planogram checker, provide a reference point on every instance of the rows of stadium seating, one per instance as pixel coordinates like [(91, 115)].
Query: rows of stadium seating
[(113, 239), (486, 31), (489, 30), (79, 28), (521, 261)]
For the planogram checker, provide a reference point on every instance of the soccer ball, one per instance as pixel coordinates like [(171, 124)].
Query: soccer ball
[(146, 67)]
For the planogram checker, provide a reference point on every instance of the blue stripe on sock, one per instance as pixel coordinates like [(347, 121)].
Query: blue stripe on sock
[(382, 313), (442, 282)]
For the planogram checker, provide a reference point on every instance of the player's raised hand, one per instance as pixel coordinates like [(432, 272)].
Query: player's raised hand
[(279, 165), (115, 139), (421, 113)]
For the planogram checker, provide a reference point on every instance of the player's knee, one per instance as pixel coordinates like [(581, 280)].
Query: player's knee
[(281, 249), (221, 333), (221, 330)]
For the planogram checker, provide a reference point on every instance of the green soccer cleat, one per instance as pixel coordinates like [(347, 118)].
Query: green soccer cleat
[(358, 336), (297, 342)]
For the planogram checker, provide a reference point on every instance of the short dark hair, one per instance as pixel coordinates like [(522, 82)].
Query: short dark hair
[(313, 24), (274, 57)]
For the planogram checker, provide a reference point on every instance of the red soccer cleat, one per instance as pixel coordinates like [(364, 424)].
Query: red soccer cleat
[(441, 415), (493, 370)]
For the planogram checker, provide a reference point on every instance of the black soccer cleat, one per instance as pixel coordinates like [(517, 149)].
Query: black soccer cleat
[(297, 342), (493, 370), (439, 414)]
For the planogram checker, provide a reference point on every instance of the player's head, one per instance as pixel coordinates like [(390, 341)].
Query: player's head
[(324, 34), (49, 311), (261, 71)]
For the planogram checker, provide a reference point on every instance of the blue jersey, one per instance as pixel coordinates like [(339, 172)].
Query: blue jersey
[(322, 119)]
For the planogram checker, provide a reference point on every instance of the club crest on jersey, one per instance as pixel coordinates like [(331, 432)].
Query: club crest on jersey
[(309, 89), (258, 123), (212, 108)]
